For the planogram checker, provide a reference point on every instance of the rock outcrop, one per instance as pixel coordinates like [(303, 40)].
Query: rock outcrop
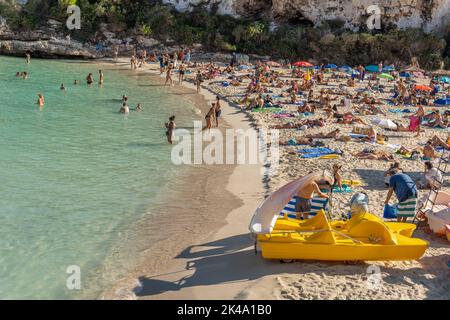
[(431, 15)]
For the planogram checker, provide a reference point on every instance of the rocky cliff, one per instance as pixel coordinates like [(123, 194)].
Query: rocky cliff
[(430, 15)]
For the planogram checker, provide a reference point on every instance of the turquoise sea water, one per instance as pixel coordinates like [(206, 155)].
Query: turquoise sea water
[(76, 174)]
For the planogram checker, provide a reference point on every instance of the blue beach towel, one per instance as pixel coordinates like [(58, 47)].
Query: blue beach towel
[(309, 153), (317, 205)]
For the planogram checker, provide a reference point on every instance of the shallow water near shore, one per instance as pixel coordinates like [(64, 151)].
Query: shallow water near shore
[(77, 174)]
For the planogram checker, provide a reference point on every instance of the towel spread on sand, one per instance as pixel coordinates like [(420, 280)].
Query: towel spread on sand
[(317, 152)]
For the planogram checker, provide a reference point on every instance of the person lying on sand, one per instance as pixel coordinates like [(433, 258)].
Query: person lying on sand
[(298, 141), (350, 119), (310, 108), (438, 142), (320, 135), (374, 155)]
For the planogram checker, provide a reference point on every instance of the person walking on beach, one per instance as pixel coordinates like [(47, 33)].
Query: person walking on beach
[(419, 114), (218, 111), (89, 79), (40, 101), (304, 197), (170, 129), (181, 71), (101, 78), (169, 76), (198, 80), (406, 191), (209, 117)]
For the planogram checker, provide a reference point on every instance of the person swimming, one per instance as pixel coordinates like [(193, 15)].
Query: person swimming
[(89, 79), (75, 82), (62, 88), (24, 75), (139, 107), (40, 101), (124, 109)]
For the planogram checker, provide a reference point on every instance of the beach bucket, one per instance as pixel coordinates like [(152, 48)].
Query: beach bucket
[(390, 212)]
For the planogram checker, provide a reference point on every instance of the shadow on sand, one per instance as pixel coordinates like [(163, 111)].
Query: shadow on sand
[(232, 260)]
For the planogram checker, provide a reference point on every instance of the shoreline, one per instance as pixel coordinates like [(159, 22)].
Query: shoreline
[(236, 205)]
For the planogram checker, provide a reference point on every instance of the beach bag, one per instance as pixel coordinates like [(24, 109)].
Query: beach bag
[(390, 212)]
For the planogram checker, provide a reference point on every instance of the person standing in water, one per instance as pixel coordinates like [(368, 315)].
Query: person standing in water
[(124, 109), (28, 58), (169, 76), (218, 110), (40, 101), (139, 107), (101, 78), (89, 79), (210, 117), (170, 128), (62, 88)]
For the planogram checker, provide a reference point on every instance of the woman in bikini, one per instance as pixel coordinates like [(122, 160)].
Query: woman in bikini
[(209, 117)]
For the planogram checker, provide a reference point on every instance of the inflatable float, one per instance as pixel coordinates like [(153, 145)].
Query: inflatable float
[(363, 237)]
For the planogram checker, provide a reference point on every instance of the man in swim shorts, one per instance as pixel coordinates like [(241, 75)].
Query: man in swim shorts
[(304, 197)]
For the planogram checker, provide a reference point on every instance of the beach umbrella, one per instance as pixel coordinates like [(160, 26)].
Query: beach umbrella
[(445, 79), (243, 67), (385, 76), (372, 68), (302, 64), (442, 102), (346, 69), (388, 69), (386, 124), (405, 74), (420, 87), (330, 66)]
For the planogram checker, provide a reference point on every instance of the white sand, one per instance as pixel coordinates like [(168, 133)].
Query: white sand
[(225, 266)]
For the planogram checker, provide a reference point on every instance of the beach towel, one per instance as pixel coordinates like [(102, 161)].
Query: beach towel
[(407, 209), (282, 115), (414, 122), (317, 205), (309, 153), (271, 109), (345, 189), (357, 136)]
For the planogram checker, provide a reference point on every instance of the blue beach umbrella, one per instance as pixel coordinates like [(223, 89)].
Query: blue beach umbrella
[(345, 69), (372, 68), (330, 66), (442, 102), (388, 69), (405, 74)]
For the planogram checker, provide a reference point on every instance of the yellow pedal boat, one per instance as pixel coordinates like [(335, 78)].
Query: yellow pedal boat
[(364, 237)]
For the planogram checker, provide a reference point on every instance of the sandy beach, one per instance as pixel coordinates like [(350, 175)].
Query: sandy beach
[(220, 263)]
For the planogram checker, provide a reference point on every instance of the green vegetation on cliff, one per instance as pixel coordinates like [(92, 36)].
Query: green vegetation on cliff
[(328, 43)]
